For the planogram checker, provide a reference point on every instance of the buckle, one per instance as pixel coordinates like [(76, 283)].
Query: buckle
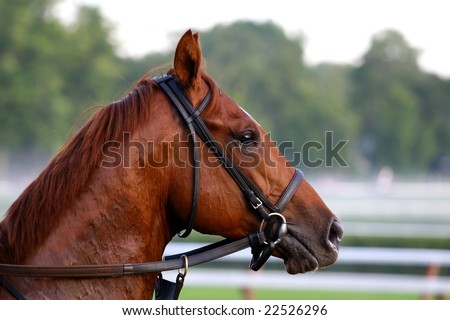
[(256, 206)]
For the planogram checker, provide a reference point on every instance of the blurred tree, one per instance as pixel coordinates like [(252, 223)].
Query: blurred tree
[(385, 102), (432, 148), (29, 86), (91, 68), (49, 72), (258, 66), (404, 112)]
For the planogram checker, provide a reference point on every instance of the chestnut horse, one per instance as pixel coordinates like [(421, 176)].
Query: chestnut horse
[(121, 188)]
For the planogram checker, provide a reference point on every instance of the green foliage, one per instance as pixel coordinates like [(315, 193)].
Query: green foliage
[(248, 64), (391, 112), (49, 73), (397, 126)]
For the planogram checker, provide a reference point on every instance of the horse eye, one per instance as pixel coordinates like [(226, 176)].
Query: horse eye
[(247, 138)]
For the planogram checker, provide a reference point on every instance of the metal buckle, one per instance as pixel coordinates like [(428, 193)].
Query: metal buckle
[(259, 204)]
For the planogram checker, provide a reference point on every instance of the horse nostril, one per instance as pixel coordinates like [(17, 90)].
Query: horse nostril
[(336, 233)]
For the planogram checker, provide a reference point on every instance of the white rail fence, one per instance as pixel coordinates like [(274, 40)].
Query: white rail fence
[(326, 280)]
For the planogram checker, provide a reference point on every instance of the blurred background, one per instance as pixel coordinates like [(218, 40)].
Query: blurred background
[(375, 74)]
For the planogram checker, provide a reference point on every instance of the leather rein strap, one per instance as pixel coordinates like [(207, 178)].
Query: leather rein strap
[(198, 256)]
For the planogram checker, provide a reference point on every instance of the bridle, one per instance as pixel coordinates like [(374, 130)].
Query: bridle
[(197, 127), (265, 208), (262, 242)]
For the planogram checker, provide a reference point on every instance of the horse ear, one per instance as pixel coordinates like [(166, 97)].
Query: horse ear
[(188, 58)]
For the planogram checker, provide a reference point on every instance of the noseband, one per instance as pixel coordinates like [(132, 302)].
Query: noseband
[(275, 223), (262, 241)]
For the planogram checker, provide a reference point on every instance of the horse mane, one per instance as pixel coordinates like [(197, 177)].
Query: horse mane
[(35, 213)]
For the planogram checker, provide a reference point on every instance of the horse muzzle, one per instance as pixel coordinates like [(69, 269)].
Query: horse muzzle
[(301, 251)]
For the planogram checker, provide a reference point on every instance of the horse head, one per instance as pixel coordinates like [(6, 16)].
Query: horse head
[(313, 231)]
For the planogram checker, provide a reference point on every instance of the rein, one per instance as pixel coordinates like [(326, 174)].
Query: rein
[(195, 257), (262, 242)]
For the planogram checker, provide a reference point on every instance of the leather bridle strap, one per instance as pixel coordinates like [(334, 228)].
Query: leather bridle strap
[(290, 190), (263, 242), (192, 118), (189, 114)]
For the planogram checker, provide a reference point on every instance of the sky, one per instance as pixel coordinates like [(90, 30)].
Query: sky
[(335, 31)]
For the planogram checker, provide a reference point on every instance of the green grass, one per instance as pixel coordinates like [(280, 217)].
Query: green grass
[(204, 293)]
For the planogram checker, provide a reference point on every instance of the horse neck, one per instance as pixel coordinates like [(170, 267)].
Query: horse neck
[(116, 219)]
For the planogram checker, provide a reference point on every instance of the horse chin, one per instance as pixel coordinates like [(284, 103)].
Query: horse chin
[(298, 258)]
